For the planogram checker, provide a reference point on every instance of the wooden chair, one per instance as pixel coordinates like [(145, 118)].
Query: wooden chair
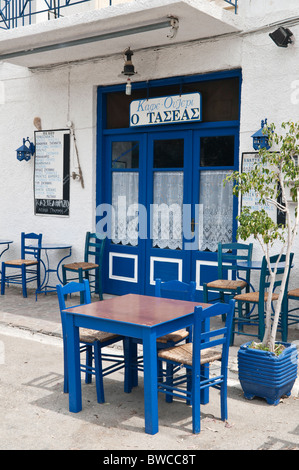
[(228, 255), (291, 318), (195, 356), (259, 299), (29, 263), (91, 270), (91, 342)]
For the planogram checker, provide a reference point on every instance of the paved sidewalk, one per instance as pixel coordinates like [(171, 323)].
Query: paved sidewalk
[(34, 410)]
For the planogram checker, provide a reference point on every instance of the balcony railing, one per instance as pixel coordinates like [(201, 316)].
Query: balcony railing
[(14, 13)]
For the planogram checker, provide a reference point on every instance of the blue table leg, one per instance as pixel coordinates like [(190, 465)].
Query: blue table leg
[(73, 362), (150, 383)]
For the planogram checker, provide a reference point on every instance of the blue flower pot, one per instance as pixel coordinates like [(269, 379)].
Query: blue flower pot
[(262, 374)]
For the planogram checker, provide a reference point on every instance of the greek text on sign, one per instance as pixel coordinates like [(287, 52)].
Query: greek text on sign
[(166, 110)]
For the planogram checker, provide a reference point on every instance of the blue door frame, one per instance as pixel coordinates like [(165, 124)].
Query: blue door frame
[(141, 263)]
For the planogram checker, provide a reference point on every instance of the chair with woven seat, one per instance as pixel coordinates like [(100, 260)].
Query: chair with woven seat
[(259, 300), (227, 256), (91, 270), (91, 342), (29, 263), (205, 348), (291, 318)]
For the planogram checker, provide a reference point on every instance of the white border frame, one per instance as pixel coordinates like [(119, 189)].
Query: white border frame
[(167, 260), (123, 278)]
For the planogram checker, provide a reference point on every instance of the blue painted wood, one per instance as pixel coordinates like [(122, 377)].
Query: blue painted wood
[(204, 339), (146, 137), (259, 319), (147, 333), (28, 251), (228, 256), (93, 253), (91, 349)]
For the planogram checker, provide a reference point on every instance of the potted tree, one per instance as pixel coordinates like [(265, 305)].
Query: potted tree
[(269, 369)]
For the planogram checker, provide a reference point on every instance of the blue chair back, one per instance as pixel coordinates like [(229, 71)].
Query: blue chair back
[(175, 290), (229, 254), (265, 278), (72, 288), (31, 245), (94, 246)]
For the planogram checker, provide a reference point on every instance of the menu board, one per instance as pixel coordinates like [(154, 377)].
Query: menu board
[(52, 170), (251, 199)]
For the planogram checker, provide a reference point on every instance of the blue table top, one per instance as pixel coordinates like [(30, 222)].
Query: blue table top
[(52, 246), (256, 265), (4, 242)]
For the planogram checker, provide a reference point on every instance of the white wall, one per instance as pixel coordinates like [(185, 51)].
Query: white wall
[(69, 93)]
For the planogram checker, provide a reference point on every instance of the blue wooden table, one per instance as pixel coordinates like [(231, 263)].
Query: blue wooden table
[(136, 316)]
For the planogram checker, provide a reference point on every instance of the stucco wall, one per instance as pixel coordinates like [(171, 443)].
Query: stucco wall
[(68, 93)]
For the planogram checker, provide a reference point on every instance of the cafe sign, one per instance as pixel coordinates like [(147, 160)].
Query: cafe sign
[(166, 110)]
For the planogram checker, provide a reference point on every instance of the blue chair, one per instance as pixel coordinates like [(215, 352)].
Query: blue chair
[(228, 255), (29, 263), (197, 355), (91, 267), (91, 342), (258, 299)]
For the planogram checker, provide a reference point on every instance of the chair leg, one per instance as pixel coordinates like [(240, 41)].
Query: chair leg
[(99, 372), (80, 273), (205, 293), (65, 368), (169, 380), (100, 283), (196, 400), (223, 400), (23, 268), (284, 321), (3, 279), (88, 374), (128, 357)]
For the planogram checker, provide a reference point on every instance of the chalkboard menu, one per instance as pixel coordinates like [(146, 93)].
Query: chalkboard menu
[(52, 172), (251, 199)]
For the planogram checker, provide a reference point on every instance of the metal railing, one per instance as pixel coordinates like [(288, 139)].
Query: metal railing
[(14, 13)]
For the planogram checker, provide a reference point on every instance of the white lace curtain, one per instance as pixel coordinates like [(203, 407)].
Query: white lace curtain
[(167, 209), (217, 210), (124, 195), (216, 206)]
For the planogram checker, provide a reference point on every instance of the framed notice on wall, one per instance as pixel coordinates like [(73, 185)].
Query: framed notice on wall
[(250, 199), (52, 172)]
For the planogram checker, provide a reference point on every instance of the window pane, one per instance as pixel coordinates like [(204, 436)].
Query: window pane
[(167, 209), (217, 151), (125, 155), (125, 186), (216, 205), (169, 153)]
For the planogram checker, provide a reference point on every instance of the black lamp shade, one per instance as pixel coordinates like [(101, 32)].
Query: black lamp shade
[(281, 37)]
